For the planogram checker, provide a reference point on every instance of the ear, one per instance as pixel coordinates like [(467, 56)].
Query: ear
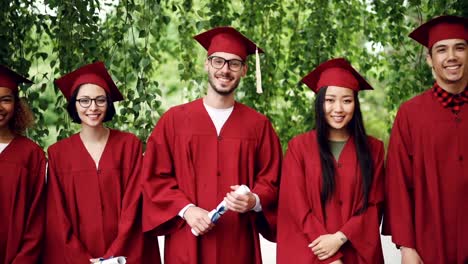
[(429, 59), (244, 70), (207, 64)]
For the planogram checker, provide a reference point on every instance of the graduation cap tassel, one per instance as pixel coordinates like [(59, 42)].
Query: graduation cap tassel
[(258, 73)]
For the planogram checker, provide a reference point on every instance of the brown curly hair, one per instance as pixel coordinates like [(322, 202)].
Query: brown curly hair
[(23, 117)]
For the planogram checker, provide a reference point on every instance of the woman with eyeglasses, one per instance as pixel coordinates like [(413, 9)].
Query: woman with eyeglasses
[(94, 198), (22, 177), (331, 190)]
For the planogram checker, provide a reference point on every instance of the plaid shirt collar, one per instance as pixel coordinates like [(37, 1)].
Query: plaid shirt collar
[(453, 101)]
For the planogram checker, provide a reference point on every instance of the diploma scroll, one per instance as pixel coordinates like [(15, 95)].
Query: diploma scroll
[(116, 260), (215, 214)]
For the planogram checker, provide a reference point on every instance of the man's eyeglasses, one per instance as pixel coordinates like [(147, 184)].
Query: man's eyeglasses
[(218, 63), (86, 101)]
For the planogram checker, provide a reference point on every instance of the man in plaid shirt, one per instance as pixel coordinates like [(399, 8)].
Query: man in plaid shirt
[(427, 162)]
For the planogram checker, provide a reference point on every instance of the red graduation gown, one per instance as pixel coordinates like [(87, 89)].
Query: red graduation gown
[(300, 217), (427, 180), (186, 162), (22, 210), (96, 212)]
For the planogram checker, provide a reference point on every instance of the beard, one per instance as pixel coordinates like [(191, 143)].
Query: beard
[(219, 89)]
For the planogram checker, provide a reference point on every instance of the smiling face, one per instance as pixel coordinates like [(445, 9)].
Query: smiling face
[(93, 115), (224, 81), (338, 108), (7, 107), (448, 60)]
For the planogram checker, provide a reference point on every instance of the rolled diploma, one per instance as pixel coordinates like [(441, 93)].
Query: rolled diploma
[(215, 214), (116, 260)]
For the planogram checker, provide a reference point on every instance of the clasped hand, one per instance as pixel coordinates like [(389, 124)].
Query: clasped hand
[(327, 245), (240, 203)]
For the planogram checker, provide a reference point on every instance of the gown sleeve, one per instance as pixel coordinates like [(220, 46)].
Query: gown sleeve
[(129, 228), (362, 229), (35, 217), (398, 215), (294, 196), (162, 198), (268, 166), (75, 251)]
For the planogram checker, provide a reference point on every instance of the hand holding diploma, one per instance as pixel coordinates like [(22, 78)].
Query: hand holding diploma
[(235, 199), (199, 221), (240, 200)]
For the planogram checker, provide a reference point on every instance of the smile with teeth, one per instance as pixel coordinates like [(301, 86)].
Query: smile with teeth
[(93, 116), (224, 78), (338, 118), (454, 67)]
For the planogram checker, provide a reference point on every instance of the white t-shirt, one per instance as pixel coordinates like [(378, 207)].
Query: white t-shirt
[(218, 116), (3, 146)]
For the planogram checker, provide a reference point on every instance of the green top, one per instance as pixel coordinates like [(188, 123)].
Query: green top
[(336, 147)]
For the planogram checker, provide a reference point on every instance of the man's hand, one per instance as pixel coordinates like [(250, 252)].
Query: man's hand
[(238, 202), (198, 220), (410, 256), (326, 246)]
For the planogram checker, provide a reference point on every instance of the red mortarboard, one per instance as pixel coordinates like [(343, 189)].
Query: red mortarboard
[(440, 28), (336, 72), (11, 79), (95, 73), (227, 39)]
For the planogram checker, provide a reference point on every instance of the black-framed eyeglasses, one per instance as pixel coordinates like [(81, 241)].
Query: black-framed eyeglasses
[(86, 101), (218, 63)]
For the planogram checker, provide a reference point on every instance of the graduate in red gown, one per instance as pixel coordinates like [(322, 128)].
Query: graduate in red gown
[(331, 190), (427, 161), (22, 177), (199, 153), (94, 195)]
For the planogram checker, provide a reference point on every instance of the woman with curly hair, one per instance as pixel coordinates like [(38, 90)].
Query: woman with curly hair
[(22, 177)]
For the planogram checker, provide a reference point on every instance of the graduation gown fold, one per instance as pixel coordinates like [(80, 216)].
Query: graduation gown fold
[(186, 162), (22, 208), (300, 213), (427, 180), (95, 212)]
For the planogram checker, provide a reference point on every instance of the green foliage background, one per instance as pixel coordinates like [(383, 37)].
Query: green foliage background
[(148, 47)]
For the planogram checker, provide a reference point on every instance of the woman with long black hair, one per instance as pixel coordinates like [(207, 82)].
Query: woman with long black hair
[(331, 189)]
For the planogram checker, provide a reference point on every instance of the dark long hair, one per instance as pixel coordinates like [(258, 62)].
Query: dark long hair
[(357, 131)]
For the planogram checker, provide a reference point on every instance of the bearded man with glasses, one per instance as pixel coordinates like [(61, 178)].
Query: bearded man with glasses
[(200, 153)]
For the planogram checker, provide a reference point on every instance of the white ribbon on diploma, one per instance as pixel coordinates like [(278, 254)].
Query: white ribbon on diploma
[(215, 214)]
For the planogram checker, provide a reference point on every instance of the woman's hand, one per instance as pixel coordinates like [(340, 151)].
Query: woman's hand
[(326, 246)]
